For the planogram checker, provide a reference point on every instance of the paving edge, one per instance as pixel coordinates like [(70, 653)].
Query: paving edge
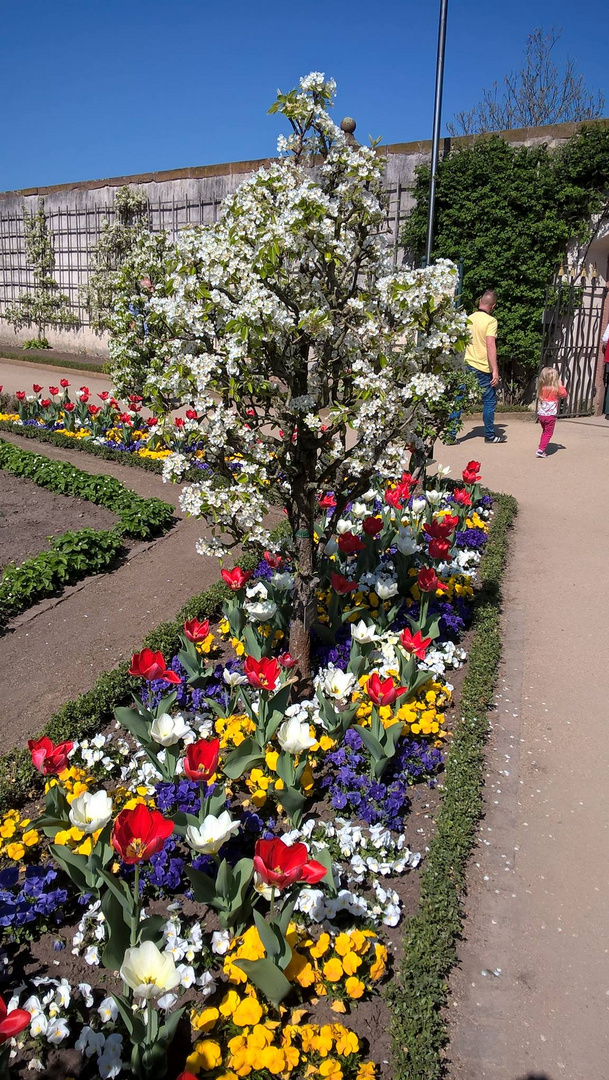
[(419, 993)]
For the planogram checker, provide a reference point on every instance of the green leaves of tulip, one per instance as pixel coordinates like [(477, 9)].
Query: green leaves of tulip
[(380, 742), (228, 894)]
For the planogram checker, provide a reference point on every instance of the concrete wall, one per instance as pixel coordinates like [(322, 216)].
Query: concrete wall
[(76, 211)]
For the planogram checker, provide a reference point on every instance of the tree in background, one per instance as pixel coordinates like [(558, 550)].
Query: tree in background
[(306, 356), (510, 213), (540, 93), (117, 240), (44, 305)]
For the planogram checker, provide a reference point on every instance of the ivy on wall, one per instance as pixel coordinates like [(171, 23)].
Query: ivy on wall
[(509, 213)]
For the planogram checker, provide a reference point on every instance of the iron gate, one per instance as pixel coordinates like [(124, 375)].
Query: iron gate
[(572, 327)]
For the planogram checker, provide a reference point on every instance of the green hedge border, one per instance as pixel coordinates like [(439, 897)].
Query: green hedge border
[(419, 994), (42, 358), (74, 554), (154, 465)]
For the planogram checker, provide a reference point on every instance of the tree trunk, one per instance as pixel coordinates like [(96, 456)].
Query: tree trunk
[(303, 607)]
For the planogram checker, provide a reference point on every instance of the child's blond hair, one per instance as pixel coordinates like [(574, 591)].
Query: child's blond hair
[(548, 377)]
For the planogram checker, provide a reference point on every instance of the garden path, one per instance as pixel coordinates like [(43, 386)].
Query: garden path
[(530, 1000), (58, 648)]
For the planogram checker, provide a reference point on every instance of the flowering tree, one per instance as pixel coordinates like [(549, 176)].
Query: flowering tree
[(306, 355)]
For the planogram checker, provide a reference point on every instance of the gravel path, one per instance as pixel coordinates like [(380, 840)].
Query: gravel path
[(530, 1000)]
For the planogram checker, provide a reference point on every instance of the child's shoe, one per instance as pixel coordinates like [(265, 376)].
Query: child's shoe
[(540, 453)]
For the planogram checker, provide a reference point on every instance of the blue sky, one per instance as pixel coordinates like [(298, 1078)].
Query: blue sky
[(95, 89)]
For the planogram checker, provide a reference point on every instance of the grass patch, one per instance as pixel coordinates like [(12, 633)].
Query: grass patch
[(419, 993), (51, 358)]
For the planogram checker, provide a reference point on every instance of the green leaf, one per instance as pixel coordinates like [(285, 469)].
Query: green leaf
[(267, 977), (75, 866), (119, 931), (135, 1026), (203, 886), (244, 757), (371, 743)]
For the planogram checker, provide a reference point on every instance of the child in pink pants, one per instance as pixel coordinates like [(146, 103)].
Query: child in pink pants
[(550, 390)]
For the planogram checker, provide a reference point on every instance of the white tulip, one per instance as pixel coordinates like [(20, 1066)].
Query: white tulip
[(233, 678), (363, 633), (293, 736), (168, 730), (262, 611), (91, 811), (434, 497), (209, 837), (331, 547), (283, 582), (385, 589), (418, 506), (148, 972), (257, 592), (406, 542), (343, 525), (369, 495), (338, 684), (443, 470), (360, 510)]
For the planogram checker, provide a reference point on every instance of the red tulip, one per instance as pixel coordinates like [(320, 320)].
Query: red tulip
[(94, 409), (438, 549), (287, 660), (49, 759), (84, 390), (195, 630), (428, 580), (105, 394), (382, 691), (191, 414), (53, 390), (470, 473), (341, 585), (408, 479), (281, 865), (68, 406), (236, 578), (151, 421), (327, 502), (64, 383), (201, 760), (20, 395), (350, 544), (36, 388), (397, 495), (441, 528), (372, 525), (11, 1023), (462, 497), (84, 398), (125, 418), (45, 402), (262, 674), (274, 561), (186, 1076), (151, 665), (179, 422), (415, 643), (134, 398), (140, 833)]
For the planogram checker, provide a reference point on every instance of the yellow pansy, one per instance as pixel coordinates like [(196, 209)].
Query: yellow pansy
[(323, 1040), (7, 829), (333, 969), (15, 851), (271, 758), (342, 945), (209, 1053), (354, 987), (273, 1059), (379, 966), (248, 1011), (205, 1020), (259, 1037), (229, 1003), (366, 1071), (331, 1069), (351, 962)]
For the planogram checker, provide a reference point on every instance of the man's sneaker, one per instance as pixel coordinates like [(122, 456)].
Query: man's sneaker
[(497, 438)]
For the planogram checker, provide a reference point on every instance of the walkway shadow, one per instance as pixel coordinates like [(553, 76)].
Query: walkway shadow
[(553, 448), (478, 433), (535, 1076)]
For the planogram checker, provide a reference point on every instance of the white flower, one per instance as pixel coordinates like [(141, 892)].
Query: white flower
[(220, 942), (167, 1001), (92, 955), (149, 972), (443, 470), (386, 588), (418, 506), (108, 1010), (91, 811), (233, 678), (206, 984), (369, 495), (359, 510), (406, 542), (90, 1042), (57, 1031), (338, 684), (109, 1066), (283, 582), (168, 730), (38, 1024), (293, 736), (343, 526), (434, 498), (187, 975), (85, 991), (262, 611), (363, 632), (35, 1065), (209, 837)]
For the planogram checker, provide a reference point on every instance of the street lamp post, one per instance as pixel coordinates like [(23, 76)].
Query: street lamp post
[(437, 118)]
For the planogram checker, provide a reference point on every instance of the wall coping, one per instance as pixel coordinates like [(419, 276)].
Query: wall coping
[(551, 132)]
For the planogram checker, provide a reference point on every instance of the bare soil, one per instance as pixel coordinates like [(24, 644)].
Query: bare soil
[(29, 515)]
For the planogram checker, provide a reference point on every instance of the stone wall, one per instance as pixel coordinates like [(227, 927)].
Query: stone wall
[(177, 198)]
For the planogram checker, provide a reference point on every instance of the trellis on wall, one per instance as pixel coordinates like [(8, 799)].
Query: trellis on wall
[(75, 232)]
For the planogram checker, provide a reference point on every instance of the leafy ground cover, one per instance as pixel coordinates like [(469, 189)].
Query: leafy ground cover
[(74, 554), (241, 851)]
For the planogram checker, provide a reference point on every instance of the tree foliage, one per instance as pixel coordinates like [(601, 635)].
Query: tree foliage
[(291, 330), (510, 213), (117, 240), (540, 93), (43, 305)]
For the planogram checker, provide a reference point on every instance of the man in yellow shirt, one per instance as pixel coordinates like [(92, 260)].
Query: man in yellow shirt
[(481, 357)]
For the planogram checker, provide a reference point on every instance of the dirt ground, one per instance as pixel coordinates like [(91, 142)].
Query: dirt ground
[(530, 1000), (30, 514)]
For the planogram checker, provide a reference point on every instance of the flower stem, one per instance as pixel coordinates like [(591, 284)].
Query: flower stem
[(202, 802), (135, 919)]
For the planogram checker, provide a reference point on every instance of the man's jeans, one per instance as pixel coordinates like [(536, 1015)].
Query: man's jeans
[(489, 400)]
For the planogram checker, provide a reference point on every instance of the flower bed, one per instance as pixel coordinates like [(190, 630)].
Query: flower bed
[(74, 554), (74, 419), (239, 845)]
